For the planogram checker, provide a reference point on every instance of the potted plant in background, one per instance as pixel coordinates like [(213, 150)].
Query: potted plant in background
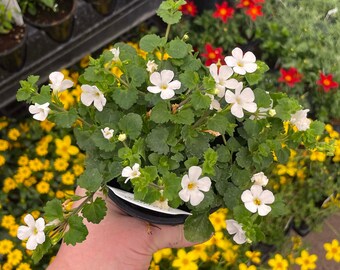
[(173, 134), (54, 17), (12, 36), (103, 7)]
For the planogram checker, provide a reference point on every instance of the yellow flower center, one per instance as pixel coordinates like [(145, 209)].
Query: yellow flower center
[(326, 82), (211, 55), (240, 64), (191, 185), (288, 78), (257, 201)]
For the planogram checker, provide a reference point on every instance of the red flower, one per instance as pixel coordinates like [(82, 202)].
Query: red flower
[(223, 12), (248, 3), (290, 76), (326, 81), (189, 8), (212, 55), (254, 11)]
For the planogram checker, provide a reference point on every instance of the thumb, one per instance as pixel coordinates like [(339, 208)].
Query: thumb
[(166, 236)]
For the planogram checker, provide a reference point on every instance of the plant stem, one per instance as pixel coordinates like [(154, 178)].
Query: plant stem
[(167, 32), (202, 119)]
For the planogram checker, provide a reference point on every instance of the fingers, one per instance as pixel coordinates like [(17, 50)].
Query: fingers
[(169, 236)]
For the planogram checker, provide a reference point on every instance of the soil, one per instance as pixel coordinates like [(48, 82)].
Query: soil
[(12, 39), (47, 17)]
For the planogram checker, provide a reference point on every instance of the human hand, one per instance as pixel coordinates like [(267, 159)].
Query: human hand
[(118, 242)]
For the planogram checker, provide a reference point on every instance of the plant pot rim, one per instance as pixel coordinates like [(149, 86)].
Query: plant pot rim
[(145, 213), (22, 41), (65, 18)]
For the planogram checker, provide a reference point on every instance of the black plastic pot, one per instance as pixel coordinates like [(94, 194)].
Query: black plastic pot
[(13, 59), (58, 26), (302, 229), (143, 213), (103, 7)]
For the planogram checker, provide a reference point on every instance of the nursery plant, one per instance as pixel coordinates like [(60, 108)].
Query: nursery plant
[(173, 133)]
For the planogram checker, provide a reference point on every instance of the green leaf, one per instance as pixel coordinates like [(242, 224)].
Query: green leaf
[(184, 116), (242, 158), (241, 214), (160, 113), (190, 80), (64, 119), (220, 123), (41, 250), (255, 77), (156, 140), (102, 143), (210, 159), (44, 96), (95, 211), (282, 155), (177, 48), (91, 179), (53, 210), (137, 74), (200, 101), (172, 184), (168, 11), (240, 177), (131, 124), (197, 227), (223, 154), (232, 195), (151, 42), (262, 98), (286, 107), (192, 161), (77, 231), (125, 98), (28, 87)]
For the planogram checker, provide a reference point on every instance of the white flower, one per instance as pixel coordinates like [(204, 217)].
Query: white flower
[(192, 187), (241, 100), (151, 66), (221, 77), (256, 200), (107, 133), (240, 63), (272, 112), (214, 103), (34, 232), (163, 84), (122, 137), (300, 120), (58, 84), (39, 112), (233, 227), (260, 179), (115, 52), (92, 94), (131, 173)]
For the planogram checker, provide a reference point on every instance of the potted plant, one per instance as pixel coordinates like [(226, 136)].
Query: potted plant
[(12, 36), (172, 134), (54, 17), (103, 7)]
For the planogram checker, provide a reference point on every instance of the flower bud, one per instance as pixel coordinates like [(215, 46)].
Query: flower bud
[(122, 137), (185, 37), (272, 112)]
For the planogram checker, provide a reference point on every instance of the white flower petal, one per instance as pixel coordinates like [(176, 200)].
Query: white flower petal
[(247, 196), (230, 61), (248, 94), (256, 190), (40, 237), (184, 194), (237, 110), (263, 210), (267, 197), (230, 97), (239, 70), (155, 78), (251, 207), (185, 181), (154, 89), (127, 171), (232, 226), (213, 71), (65, 85), (250, 107), (196, 197), (24, 232), (250, 67), (194, 173), (231, 83), (175, 84), (225, 72), (204, 184), (31, 243), (56, 77), (249, 57), (167, 75), (40, 224), (29, 220), (237, 53), (167, 94), (240, 238)]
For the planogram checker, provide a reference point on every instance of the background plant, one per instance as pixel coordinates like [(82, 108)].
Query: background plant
[(10, 14)]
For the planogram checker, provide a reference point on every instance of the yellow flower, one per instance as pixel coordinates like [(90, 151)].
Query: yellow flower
[(14, 257), (200, 251), (24, 127), (185, 261), (318, 156), (9, 184), (278, 263), (42, 149), (84, 62), (218, 220), (2, 160), (67, 178), (43, 187), (7, 221), (254, 256), (24, 266), (230, 256), (7, 266), (243, 266), (59, 194), (46, 125), (6, 246), (297, 242), (13, 230), (333, 250), (30, 181), (78, 169), (306, 261), (159, 56), (36, 165), (60, 164), (48, 176), (164, 253), (3, 123), (117, 71), (24, 172), (76, 92), (64, 147), (23, 160), (13, 134), (67, 99), (4, 145)]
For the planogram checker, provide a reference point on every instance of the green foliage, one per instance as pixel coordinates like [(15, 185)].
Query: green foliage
[(77, 231), (6, 19)]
